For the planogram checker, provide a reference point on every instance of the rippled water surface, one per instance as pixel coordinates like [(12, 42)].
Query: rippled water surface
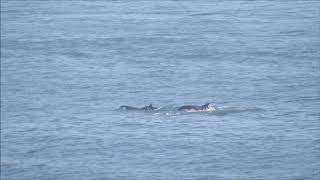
[(67, 66)]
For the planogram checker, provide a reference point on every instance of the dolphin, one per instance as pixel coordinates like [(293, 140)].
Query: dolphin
[(145, 108), (193, 108)]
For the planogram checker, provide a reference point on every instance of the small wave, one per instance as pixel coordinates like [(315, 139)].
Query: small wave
[(204, 14)]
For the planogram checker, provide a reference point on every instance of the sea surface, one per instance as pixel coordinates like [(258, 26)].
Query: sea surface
[(67, 66)]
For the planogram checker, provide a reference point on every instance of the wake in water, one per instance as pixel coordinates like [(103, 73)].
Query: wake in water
[(172, 110)]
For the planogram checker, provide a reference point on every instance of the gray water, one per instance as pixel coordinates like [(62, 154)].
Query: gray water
[(66, 67)]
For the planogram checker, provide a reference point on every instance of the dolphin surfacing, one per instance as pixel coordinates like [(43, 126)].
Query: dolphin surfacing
[(194, 108), (145, 108)]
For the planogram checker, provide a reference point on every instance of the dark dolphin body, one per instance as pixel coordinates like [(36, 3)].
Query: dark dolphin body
[(205, 107), (145, 108)]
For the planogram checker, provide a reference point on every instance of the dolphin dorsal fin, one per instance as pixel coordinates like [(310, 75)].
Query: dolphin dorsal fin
[(206, 105)]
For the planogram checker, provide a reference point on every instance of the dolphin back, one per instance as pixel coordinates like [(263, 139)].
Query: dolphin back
[(205, 107), (189, 107), (128, 108), (208, 107), (145, 108)]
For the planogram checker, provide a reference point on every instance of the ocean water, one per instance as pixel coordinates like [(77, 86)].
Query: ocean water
[(67, 66)]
